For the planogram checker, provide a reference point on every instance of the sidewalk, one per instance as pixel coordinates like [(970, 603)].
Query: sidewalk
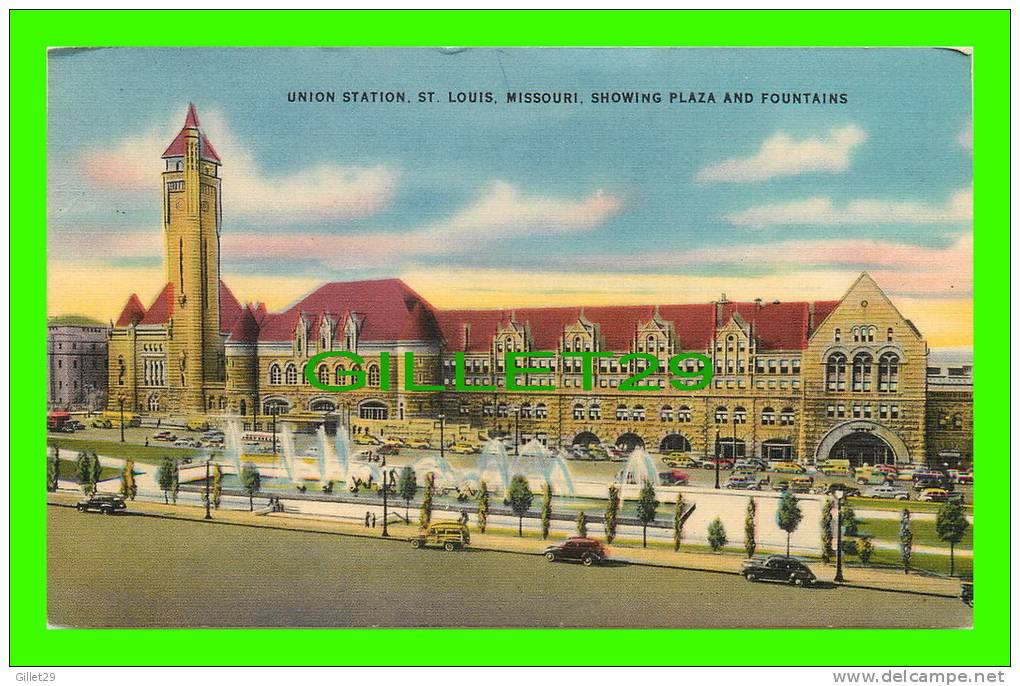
[(856, 577)]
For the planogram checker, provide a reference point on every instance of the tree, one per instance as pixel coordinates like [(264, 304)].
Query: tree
[(866, 549), (582, 524), (848, 518), (950, 525), (678, 522), (128, 487), (53, 473), (216, 492), (612, 511), (165, 476), (788, 516), (251, 482), (519, 497), (82, 470), (646, 507), (906, 540), (827, 531), (547, 509), (483, 505), (425, 514), (716, 535), (95, 472), (749, 542), (407, 486)]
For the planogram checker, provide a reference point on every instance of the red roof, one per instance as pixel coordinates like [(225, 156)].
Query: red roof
[(383, 307), (178, 147), (162, 307), (230, 309), (132, 313), (246, 328)]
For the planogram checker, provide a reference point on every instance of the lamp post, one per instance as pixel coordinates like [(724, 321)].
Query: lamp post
[(442, 438), (385, 502), (120, 399), (517, 428), (208, 499), (718, 455), (839, 535), (273, 414)]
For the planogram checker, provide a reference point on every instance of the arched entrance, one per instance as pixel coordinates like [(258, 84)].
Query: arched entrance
[(862, 442), (586, 438), (675, 443), (373, 409), (628, 441), (322, 405)]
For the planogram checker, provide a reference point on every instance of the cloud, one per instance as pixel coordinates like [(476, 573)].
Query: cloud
[(500, 213), (781, 155), (822, 211), (320, 193)]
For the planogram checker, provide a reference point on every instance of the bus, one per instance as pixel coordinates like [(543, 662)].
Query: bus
[(56, 421)]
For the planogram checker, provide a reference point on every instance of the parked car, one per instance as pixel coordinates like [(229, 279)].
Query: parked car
[(967, 593), (389, 449), (710, 462), (743, 482), (848, 491), (678, 459), (801, 484), (674, 477), (924, 484), (463, 449), (788, 468), (778, 568), (889, 492), (394, 440), (418, 443), (934, 495), (836, 468), (365, 439), (165, 436), (102, 502), (102, 423), (905, 473), (750, 465), (965, 477), (446, 535), (587, 551)]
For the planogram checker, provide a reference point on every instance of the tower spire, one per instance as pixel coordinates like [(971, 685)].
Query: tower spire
[(191, 120)]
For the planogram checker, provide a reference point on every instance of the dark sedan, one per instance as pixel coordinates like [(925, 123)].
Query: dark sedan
[(778, 568), (586, 550)]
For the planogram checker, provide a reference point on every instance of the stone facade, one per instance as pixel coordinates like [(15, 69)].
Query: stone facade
[(76, 359)]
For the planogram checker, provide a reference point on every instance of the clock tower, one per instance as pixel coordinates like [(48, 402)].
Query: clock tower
[(191, 223)]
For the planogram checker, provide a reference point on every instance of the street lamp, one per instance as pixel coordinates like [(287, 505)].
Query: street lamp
[(839, 535), (442, 441), (385, 502), (120, 399), (718, 456), (208, 500), (273, 414)]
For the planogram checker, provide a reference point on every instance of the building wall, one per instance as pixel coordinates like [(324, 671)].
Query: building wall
[(76, 363)]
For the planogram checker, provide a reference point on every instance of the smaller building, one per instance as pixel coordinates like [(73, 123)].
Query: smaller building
[(76, 364), (950, 411)]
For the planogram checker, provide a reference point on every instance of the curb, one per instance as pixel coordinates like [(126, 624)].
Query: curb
[(393, 539)]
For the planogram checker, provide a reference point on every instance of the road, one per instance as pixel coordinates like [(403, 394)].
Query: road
[(136, 571)]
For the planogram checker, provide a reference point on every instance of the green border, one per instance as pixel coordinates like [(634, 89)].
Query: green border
[(33, 31)]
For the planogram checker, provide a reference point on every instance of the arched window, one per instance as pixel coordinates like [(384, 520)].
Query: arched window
[(373, 375), (871, 334), (888, 335), (153, 403), (639, 413), (541, 412), (501, 410), (650, 344), (856, 334), (323, 374), (666, 413), (786, 416), (621, 412), (837, 335), (577, 343), (340, 379), (768, 416), (594, 411), (835, 372), (683, 414), (739, 415), (888, 373), (290, 375), (304, 373), (578, 412), (862, 373), (487, 408), (273, 406), (525, 410), (721, 415), (274, 374)]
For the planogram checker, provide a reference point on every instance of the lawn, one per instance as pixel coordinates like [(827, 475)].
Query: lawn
[(154, 454), (898, 505), (923, 561), (69, 471), (924, 532)]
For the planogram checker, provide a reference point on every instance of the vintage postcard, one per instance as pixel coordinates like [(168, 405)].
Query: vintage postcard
[(509, 337)]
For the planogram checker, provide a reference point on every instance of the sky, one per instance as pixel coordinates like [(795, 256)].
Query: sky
[(501, 205)]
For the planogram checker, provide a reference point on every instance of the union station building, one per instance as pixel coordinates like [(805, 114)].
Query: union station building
[(805, 381)]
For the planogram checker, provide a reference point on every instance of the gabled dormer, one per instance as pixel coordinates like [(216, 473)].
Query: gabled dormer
[(351, 331), (581, 335), (734, 346), (655, 336), (301, 330), (327, 331)]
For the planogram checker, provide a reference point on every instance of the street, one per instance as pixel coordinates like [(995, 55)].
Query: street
[(136, 571)]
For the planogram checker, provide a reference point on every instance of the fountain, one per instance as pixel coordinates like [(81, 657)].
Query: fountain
[(341, 450), (287, 445), (534, 461), (233, 444), (444, 473), (640, 467)]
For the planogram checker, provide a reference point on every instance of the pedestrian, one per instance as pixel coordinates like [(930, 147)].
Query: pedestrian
[(368, 516), (146, 442), (373, 520)]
